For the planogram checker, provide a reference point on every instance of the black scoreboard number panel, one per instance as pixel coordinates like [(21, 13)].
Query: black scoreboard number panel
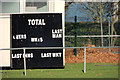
[(37, 30)]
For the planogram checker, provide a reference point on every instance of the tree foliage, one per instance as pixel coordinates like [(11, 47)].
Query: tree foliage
[(100, 11)]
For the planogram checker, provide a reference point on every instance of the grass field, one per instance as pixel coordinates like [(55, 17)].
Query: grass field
[(73, 70)]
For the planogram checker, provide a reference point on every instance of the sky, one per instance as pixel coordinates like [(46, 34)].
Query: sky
[(76, 10)]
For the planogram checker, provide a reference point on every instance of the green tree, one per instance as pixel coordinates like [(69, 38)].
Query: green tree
[(99, 11)]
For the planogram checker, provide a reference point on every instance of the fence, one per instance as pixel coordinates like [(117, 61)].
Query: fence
[(92, 30), (24, 50)]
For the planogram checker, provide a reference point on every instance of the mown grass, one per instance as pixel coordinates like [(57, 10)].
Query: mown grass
[(73, 70)]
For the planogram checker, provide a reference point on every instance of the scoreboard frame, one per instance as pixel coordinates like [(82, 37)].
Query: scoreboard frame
[(62, 26)]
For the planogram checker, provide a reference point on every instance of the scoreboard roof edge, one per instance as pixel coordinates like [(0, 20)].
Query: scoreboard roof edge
[(34, 13)]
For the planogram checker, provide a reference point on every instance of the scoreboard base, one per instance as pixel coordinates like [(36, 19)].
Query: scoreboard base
[(62, 67)]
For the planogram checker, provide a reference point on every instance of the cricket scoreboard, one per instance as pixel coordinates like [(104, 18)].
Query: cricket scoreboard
[(37, 30)]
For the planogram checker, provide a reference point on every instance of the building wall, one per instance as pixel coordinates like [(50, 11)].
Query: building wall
[(5, 41), (54, 6)]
